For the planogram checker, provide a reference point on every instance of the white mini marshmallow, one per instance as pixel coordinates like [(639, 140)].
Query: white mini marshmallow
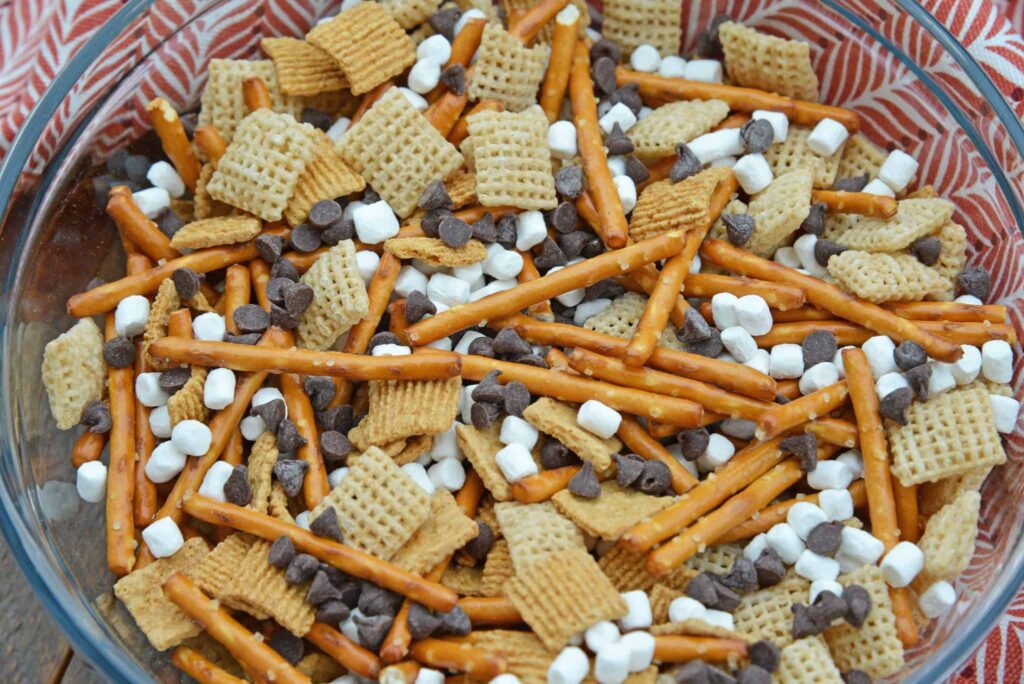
[(830, 475), (191, 437), (335, 477), (209, 326), (818, 376), (861, 546), (375, 222), (472, 274), (803, 516), (1004, 412), (595, 417), (719, 452), (968, 299), (695, 264), (219, 388), (351, 631), (719, 618), (515, 462), (424, 460), (569, 667), (755, 547), (424, 76), (753, 173), (739, 343), (428, 676), (753, 314), (163, 175), (686, 608), (879, 350), (612, 664), (418, 102), (502, 263), (446, 445), (705, 70), (823, 585), (515, 430), (724, 161), (852, 460), (638, 615), (788, 257), (641, 650), (997, 361), (507, 678), (391, 350), (877, 187), (761, 361), (717, 144), (966, 368), (215, 479), (165, 463), (837, 503), (941, 379), (723, 310), (787, 361), (302, 520), (163, 538), (418, 474), (152, 201), (448, 473), (784, 540), (131, 315), (160, 422), (562, 140), (890, 382), (778, 120), (672, 66), (837, 361), (827, 137), (436, 48), (815, 567), (467, 339), (602, 634), (898, 170), (468, 16), (902, 564), (91, 481), (148, 391), (588, 309), (937, 600), (617, 165), (530, 230), (447, 289), (367, 263), (740, 428), (265, 395), (618, 114), (804, 248), (338, 129), (645, 58), (626, 188)]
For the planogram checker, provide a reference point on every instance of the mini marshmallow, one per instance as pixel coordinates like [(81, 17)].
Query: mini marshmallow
[(165, 463), (815, 567), (753, 173), (131, 315), (804, 248), (530, 230), (618, 114), (778, 120), (515, 430), (391, 350), (338, 129), (818, 376), (163, 175), (753, 314), (562, 140), (617, 165), (877, 187), (818, 586), (719, 452), (214, 480), (569, 667), (803, 516), (375, 222), (626, 188), (695, 264), (837, 361), (601, 634), (160, 422), (997, 361), (302, 520), (717, 144), (428, 676), (761, 361), (1004, 412), (719, 618), (612, 664), (148, 391), (408, 280), (784, 540), (723, 310), (265, 395), (890, 382), (367, 263), (447, 289), (968, 299), (902, 564), (435, 48), (836, 503), (724, 161), (472, 274), (424, 76), (418, 474), (646, 58), (163, 538), (349, 628), (448, 473), (639, 610), (830, 475), (335, 477), (672, 66), (739, 342), (966, 368), (209, 326), (588, 309), (752, 551), (898, 170), (595, 417), (788, 257), (424, 460), (191, 437), (91, 481), (446, 445), (827, 137), (787, 361), (506, 678), (152, 201), (861, 546), (641, 650), (676, 451), (942, 379), (219, 388), (937, 599), (467, 339), (418, 102), (515, 462), (686, 608), (852, 460), (502, 263), (466, 17), (879, 350), (704, 70)]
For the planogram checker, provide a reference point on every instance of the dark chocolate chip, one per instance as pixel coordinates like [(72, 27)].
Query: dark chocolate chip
[(350, 588), (742, 577), (507, 232), (291, 473), (604, 47), (276, 287), (592, 247), (636, 170), (569, 182), (564, 218), (909, 355), (927, 250), (332, 613), (603, 73), (280, 317), (370, 196), (711, 347), (484, 229), (382, 338), (532, 360), (324, 213), (479, 546), (708, 42), (96, 417), (858, 604), (918, 378), (584, 483), (508, 343), (827, 609), (454, 623), (606, 288), (770, 568), (804, 447), (375, 600), (804, 624), (815, 221), (655, 479), (320, 390), (317, 119), (432, 219), (851, 183), (974, 281), (895, 404), (739, 228), (628, 468), (116, 162), (454, 232), (337, 419), (186, 283), (517, 398), (618, 142), (727, 599), (305, 238), (326, 525), (824, 538), (752, 674), (250, 318), (550, 255), (334, 446), (695, 672), (855, 677), (174, 379), (301, 569), (270, 247), (443, 21), (704, 589), (170, 223), (289, 439), (628, 95), (343, 229), (765, 655), (819, 347), (422, 621), (320, 589), (236, 488), (572, 244), (418, 305), (694, 441), (272, 413), (489, 389), (282, 552), (249, 338), (554, 454), (371, 630), (757, 135), (454, 77), (686, 165), (282, 268), (483, 414), (287, 645), (825, 249), (136, 166)]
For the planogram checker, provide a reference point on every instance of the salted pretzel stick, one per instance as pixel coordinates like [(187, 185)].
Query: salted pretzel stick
[(254, 654), (543, 485), (460, 131), (88, 447), (444, 113), (588, 212), (640, 442), (656, 313), (556, 360), (661, 430), (121, 468), (450, 655), (145, 500), (954, 332), (735, 120), (179, 324), (237, 292), (536, 18), (906, 510), (106, 297), (829, 297), (300, 411), (397, 323), (199, 668), (490, 612), (683, 649), (174, 140), (949, 311), (354, 657), (790, 389), (768, 517), (836, 431), (404, 672), (861, 203), (541, 310), (256, 93), (546, 287), (556, 79), (210, 143), (140, 230), (781, 417), (777, 295)]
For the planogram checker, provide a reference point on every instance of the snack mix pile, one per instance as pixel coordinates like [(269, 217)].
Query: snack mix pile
[(531, 354)]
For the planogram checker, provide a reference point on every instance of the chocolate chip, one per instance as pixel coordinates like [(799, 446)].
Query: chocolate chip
[(584, 483), (825, 249), (116, 162), (655, 479), (819, 347), (323, 214), (170, 223), (249, 338), (291, 472), (909, 355), (708, 43), (727, 599), (317, 119), (301, 569), (174, 379), (804, 624), (418, 305), (489, 389), (618, 142), (550, 256), (289, 439), (454, 77), (739, 228), (484, 229), (372, 630), (320, 390), (443, 21), (770, 569), (96, 417), (855, 677), (564, 218), (569, 182), (272, 413), (603, 73), (287, 645), (535, 360), (305, 238), (282, 268), (711, 347), (636, 170), (508, 343), (370, 195), (704, 589), (604, 47), (236, 488), (481, 346), (858, 604), (765, 655), (757, 135), (814, 224), (696, 328), (851, 183), (628, 95), (250, 318), (483, 414), (334, 446), (454, 232), (320, 589), (926, 250), (332, 613), (326, 525), (554, 454), (606, 288), (186, 283), (432, 219), (350, 588), (805, 448), (454, 623), (517, 398), (752, 674), (974, 281), (136, 166), (572, 244), (686, 165), (276, 288), (827, 609), (694, 441), (918, 378), (695, 672), (824, 538), (280, 317), (507, 232), (628, 468), (343, 229), (282, 552), (895, 404), (742, 577), (422, 622), (375, 600), (337, 419), (382, 338), (479, 546)]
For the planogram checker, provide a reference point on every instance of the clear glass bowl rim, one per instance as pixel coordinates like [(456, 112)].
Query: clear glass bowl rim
[(107, 656)]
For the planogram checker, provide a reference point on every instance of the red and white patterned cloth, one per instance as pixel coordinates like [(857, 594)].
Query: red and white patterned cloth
[(38, 36)]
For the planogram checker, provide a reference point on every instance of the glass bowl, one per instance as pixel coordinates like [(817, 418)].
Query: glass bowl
[(914, 85)]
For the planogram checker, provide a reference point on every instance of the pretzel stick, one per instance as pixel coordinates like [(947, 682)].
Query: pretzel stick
[(556, 79), (735, 120), (778, 296), (542, 309), (861, 203), (441, 654), (745, 467), (354, 657), (444, 113), (369, 99), (210, 143), (953, 332), (903, 609), (490, 612), (683, 649), (256, 93), (536, 18), (88, 447), (949, 311), (836, 431), (460, 131), (404, 672), (174, 140), (345, 558), (254, 654), (781, 417), (804, 313), (588, 212), (661, 430), (121, 468), (906, 510), (558, 361), (300, 411), (640, 442), (145, 501), (655, 315), (140, 230), (790, 389), (396, 319), (768, 517), (463, 48), (830, 298), (594, 365), (199, 668), (237, 292), (544, 485)]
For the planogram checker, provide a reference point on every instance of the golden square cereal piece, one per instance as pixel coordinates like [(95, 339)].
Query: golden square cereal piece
[(402, 408), (485, 513), (665, 206), (445, 531), (513, 164), (187, 403), (563, 594), (303, 68), (923, 192), (497, 569), (885, 277), (874, 647), (480, 447), (339, 298), (261, 585), (141, 592), (558, 419), (262, 460), (648, 676), (793, 153), (656, 135), (621, 318), (368, 44), (661, 597), (627, 571), (948, 435), (261, 166), (165, 302), (223, 104), (778, 211), (435, 252), (379, 507), (527, 657), (632, 23), (215, 573), (694, 627), (461, 187), (277, 506), (546, 32), (915, 218), (466, 580), (536, 531), (205, 206), (74, 372), (860, 156), (412, 449), (837, 225), (758, 60), (948, 539), (398, 152), (212, 232), (934, 495), (506, 70), (766, 614), (807, 661), (952, 256), (327, 176), (320, 668), (411, 13), (613, 512), (718, 559)]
